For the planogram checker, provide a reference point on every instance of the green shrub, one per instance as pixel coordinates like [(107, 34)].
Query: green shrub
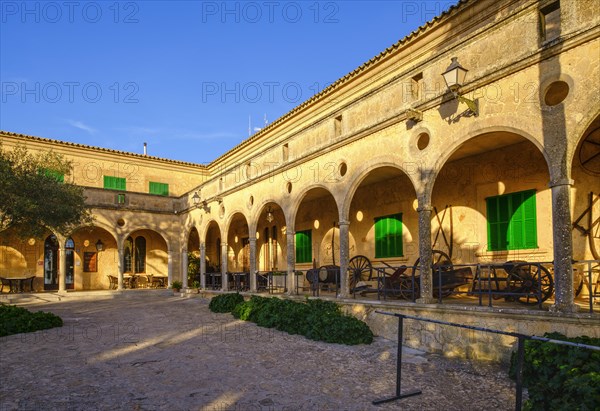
[(225, 303), (315, 319), (560, 377), (14, 320)]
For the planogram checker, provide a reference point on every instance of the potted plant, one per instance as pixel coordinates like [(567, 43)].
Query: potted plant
[(176, 286), (196, 286)]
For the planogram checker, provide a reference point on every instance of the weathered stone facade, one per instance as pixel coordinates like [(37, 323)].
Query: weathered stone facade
[(354, 153)]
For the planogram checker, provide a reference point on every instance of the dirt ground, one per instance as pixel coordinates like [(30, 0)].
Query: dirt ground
[(150, 350)]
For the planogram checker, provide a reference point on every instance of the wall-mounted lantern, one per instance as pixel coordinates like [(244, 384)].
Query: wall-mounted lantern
[(454, 76)]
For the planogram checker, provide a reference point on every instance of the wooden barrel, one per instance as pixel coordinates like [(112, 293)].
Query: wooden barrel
[(329, 274), (312, 275)]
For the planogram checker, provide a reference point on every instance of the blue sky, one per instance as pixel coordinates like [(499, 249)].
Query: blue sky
[(183, 76)]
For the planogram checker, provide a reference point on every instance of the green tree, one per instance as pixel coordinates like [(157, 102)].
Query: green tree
[(34, 195)]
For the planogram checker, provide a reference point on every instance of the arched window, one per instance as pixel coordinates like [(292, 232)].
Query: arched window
[(218, 254), (127, 255), (140, 255), (70, 260), (267, 250), (274, 246)]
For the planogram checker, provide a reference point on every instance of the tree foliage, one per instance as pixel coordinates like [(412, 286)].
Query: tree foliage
[(34, 197)]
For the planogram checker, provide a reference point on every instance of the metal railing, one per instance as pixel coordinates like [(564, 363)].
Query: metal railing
[(317, 280), (271, 281), (520, 354), (589, 276)]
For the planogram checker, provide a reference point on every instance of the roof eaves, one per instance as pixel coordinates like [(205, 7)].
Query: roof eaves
[(101, 149)]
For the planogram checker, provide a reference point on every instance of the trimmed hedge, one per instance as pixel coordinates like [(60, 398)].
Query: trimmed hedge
[(15, 320), (560, 377), (225, 303), (315, 319)]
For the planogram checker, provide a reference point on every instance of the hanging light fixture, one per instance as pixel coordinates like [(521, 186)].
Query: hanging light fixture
[(270, 216), (99, 245)]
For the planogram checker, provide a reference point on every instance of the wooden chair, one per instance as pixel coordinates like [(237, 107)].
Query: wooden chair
[(5, 283), (114, 282)]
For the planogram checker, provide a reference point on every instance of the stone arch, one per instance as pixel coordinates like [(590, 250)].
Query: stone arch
[(474, 132), (104, 262), (155, 229), (480, 173), (295, 205), (231, 217), (253, 220), (583, 127), (238, 250), (315, 218), (359, 176)]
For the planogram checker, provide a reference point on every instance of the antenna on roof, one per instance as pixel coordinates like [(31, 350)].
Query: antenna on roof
[(266, 122), (249, 125), (145, 148)]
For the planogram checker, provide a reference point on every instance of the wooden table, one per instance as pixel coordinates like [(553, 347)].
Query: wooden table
[(16, 283)]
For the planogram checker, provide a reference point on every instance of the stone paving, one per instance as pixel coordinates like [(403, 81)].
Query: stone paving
[(150, 350)]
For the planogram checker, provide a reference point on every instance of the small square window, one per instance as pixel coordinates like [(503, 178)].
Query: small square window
[(337, 126), (286, 152), (550, 21), (417, 86)]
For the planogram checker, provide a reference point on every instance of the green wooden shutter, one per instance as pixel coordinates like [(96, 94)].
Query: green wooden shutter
[(160, 189), (388, 236), (114, 183), (512, 221), (60, 177), (304, 246)]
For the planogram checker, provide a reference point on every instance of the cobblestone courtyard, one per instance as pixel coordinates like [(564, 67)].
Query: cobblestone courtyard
[(148, 350)]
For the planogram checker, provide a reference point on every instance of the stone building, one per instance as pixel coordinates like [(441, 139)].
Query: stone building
[(370, 165)]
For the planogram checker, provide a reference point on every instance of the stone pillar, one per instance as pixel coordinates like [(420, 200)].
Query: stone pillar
[(62, 266), (169, 268), (184, 268), (224, 282), (120, 265), (291, 261), (563, 246), (425, 253), (344, 257), (203, 266), (252, 241)]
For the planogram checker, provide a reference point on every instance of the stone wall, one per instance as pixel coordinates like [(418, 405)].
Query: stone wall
[(464, 343)]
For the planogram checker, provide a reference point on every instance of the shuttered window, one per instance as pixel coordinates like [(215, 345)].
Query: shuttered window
[(60, 177), (512, 221), (304, 246), (160, 189), (114, 183), (388, 236)]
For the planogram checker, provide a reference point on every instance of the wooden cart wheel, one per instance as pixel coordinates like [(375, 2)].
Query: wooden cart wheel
[(527, 278), (361, 270), (440, 263), (406, 290)]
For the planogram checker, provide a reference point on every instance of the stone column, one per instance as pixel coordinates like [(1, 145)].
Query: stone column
[(203, 266), (184, 268), (425, 253), (252, 241), (344, 257), (291, 261), (62, 266), (224, 282), (169, 268), (563, 246), (120, 265)]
